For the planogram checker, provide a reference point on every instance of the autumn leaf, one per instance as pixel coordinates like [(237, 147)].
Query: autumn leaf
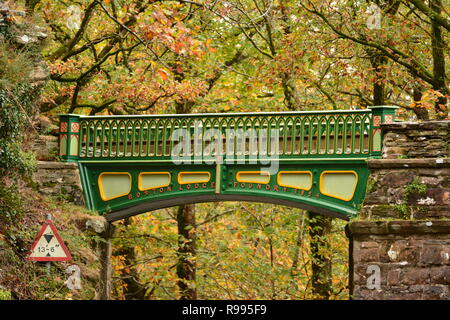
[(149, 35), (163, 74), (209, 47), (178, 46)]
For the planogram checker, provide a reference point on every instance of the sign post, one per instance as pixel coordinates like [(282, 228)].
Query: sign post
[(48, 245)]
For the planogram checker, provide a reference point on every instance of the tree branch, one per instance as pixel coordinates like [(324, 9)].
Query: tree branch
[(419, 4), (134, 34), (68, 47), (394, 54)]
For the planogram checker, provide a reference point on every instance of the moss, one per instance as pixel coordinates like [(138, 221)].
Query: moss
[(414, 187), (403, 210), (388, 211), (371, 185)]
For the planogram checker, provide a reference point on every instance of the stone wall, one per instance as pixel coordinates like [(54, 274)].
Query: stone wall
[(59, 179), (408, 188), (400, 243), (412, 259), (416, 140), (45, 147)]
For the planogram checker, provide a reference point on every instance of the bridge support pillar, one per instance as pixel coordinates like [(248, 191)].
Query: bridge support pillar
[(400, 243), (400, 259)]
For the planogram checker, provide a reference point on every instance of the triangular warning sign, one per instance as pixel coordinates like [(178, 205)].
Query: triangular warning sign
[(49, 245)]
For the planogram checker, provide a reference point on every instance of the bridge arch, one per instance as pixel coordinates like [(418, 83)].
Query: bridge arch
[(181, 200)]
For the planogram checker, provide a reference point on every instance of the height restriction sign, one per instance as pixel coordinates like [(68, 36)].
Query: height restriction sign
[(49, 245)]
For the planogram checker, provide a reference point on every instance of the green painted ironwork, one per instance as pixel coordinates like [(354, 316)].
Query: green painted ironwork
[(307, 141), (138, 201)]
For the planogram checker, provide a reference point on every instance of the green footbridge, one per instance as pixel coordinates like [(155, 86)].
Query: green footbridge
[(311, 160)]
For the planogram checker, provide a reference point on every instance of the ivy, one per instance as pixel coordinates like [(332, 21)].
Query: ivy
[(17, 96)]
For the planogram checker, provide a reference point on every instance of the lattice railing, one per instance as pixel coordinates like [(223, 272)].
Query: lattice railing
[(325, 134)]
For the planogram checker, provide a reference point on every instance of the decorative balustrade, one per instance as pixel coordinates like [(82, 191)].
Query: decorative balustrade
[(293, 135)]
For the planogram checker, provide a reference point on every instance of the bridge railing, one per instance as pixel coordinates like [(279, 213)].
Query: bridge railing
[(321, 134)]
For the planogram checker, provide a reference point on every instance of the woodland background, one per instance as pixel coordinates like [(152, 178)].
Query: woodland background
[(160, 56)]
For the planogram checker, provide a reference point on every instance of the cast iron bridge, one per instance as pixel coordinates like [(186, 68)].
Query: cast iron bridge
[(311, 160)]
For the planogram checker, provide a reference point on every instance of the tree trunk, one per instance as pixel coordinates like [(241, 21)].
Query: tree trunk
[(298, 242), (437, 44), (378, 62), (105, 261), (186, 252), (419, 110), (186, 233), (350, 261), (287, 78), (186, 213), (290, 100), (320, 227), (134, 289)]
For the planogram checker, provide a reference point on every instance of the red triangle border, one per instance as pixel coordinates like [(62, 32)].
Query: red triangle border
[(58, 237)]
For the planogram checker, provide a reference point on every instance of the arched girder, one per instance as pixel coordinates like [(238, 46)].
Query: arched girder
[(123, 188), (167, 203)]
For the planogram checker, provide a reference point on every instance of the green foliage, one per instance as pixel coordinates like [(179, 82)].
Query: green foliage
[(403, 209), (415, 187), (16, 108), (14, 158), (11, 204), (15, 66), (5, 294), (17, 96)]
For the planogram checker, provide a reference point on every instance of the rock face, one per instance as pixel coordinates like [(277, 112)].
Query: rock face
[(401, 249)]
